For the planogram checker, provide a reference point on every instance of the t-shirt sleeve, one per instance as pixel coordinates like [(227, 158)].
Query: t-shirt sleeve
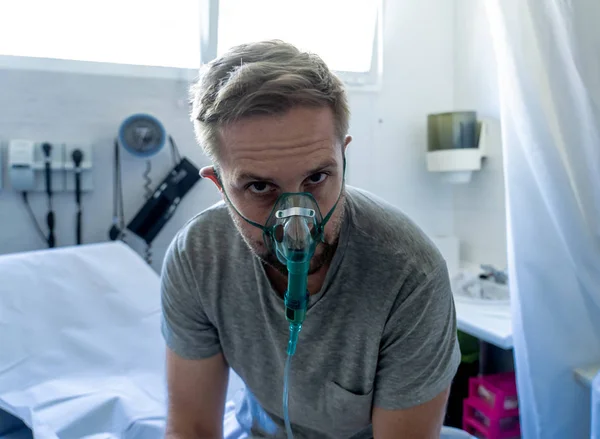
[(185, 326), (419, 353)]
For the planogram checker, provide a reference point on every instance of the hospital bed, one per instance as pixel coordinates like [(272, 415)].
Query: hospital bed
[(81, 354)]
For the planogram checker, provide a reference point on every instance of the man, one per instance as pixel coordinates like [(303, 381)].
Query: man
[(378, 350)]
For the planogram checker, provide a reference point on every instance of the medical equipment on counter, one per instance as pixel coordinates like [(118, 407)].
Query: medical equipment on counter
[(489, 271), (489, 285), (292, 232), (144, 136)]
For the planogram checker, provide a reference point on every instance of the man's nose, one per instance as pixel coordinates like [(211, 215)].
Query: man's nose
[(293, 188), (297, 233)]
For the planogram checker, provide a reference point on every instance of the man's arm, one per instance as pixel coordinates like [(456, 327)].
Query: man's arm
[(418, 358), (196, 369), (197, 390), (420, 422)]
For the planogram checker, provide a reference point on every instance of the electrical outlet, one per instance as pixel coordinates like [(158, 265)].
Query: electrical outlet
[(57, 163), (87, 183)]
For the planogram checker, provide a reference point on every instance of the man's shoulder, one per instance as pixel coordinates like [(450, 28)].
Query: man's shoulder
[(207, 233), (214, 216), (389, 234)]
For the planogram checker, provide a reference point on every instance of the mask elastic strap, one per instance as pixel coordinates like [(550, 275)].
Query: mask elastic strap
[(235, 208), (324, 222)]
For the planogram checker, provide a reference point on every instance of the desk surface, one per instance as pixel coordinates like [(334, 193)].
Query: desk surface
[(489, 322)]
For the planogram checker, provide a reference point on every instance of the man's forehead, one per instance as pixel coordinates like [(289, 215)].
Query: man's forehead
[(296, 142), (292, 122), (294, 129)]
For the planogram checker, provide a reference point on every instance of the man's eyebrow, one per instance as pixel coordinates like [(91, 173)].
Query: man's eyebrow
[(330, 163), (254, 177), (249, 176)]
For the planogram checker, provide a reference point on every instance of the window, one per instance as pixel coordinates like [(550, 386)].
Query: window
[(173, 37), (341, 32), (142, 32)]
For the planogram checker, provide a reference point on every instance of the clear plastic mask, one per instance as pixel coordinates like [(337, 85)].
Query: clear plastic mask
[(294, 227)]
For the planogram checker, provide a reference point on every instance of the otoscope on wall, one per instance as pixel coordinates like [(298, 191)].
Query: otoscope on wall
[(46, 168)]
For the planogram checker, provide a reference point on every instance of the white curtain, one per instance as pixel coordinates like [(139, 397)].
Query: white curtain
[(548, 54)]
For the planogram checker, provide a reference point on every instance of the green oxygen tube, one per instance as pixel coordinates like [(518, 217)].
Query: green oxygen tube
[(296, 301)]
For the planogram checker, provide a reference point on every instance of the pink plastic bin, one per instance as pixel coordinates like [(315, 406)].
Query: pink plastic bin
[(491, 410), (481, 421), (499, 391)]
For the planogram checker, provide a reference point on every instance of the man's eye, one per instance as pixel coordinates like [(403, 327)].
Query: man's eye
[(319, 177), (259, 187)]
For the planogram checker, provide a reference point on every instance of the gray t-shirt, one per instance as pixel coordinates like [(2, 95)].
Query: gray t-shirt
[(382, 330)]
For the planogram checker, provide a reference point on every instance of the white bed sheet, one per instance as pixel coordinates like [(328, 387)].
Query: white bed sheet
[(81, 351), (81, 354)]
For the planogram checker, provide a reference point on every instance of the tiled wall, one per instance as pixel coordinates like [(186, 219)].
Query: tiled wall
[(479, 206)]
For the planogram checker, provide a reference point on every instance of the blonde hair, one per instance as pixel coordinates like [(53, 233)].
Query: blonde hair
[(268, 77)]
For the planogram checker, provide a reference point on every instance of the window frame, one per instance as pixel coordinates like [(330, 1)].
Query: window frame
[(29, 63), (209, 19), (359, 81)]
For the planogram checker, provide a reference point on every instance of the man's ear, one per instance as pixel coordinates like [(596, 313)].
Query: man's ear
[(347, 141), (211, 173)]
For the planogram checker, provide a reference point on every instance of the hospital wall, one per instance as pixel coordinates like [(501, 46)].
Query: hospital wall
[(479, 207), (88, 108), (386, 157)]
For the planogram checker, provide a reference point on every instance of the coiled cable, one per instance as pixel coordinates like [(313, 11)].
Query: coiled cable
[(148, 193)]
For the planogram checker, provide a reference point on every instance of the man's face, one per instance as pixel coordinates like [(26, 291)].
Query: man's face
[(261, 157)]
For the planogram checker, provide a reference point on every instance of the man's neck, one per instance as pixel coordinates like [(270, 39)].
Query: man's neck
[(279, 280)]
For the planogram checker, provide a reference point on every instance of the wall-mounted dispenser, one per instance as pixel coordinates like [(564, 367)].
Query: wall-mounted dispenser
[(455, 144)]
